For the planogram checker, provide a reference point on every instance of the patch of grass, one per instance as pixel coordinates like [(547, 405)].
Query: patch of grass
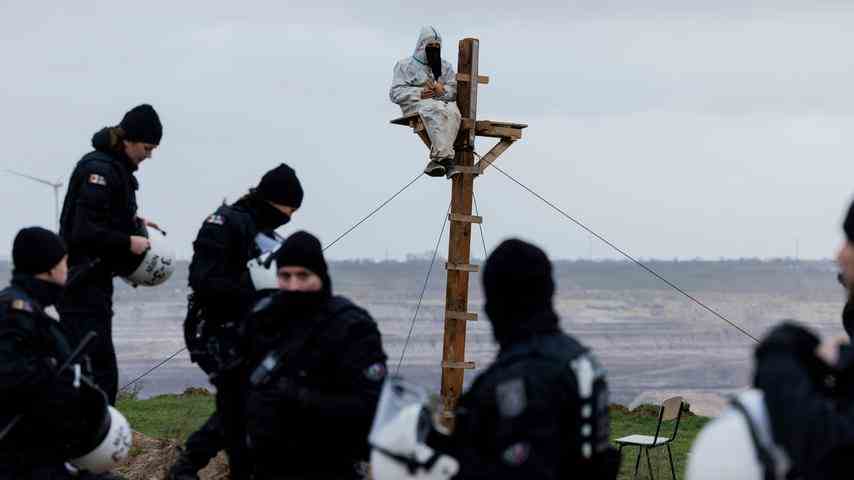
[(172, 417), (642, 421)]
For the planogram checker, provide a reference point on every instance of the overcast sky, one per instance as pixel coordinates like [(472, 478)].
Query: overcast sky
[(718, 130)]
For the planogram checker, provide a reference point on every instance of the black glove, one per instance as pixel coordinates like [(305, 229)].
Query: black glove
[(183, 469)]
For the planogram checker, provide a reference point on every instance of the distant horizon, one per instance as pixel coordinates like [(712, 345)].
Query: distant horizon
[(421, 258)]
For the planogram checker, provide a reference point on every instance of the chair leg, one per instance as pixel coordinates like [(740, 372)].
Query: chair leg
[(670, 456), (637, 462), (649, 465)]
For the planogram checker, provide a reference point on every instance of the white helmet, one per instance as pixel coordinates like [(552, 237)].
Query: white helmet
[(262, 270), (112, 449), (398, 449), (738, 445), (157, 263)]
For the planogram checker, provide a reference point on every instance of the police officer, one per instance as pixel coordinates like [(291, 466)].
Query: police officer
[(315, 371), (33, 345), (99, 223), (802, 425), (540, 411), (223, 293)]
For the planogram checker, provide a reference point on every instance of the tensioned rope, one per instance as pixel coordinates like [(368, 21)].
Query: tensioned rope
[(423, 290), (356, 225), (482, 236), (373, 212), (625, 254)]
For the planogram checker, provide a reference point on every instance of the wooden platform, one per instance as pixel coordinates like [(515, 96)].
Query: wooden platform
[(483, 128)]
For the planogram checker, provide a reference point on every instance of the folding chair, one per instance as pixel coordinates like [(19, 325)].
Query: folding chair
[(671, 409)]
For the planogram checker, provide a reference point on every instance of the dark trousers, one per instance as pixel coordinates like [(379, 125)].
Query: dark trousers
[(89, 308), (222, 431), (51, 472)]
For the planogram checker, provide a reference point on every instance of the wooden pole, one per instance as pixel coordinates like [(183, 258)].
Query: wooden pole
[(459, 244)]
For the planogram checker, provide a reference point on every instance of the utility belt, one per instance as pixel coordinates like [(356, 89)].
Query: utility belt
[(212, 342)]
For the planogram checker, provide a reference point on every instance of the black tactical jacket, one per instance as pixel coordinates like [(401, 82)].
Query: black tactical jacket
[(309, 412), (539, 412), (99, 211), (809, 402), (32, 347)]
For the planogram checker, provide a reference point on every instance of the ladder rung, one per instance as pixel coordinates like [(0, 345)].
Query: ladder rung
[(462, 365), (465, 267), (458, 217), (452, 315)]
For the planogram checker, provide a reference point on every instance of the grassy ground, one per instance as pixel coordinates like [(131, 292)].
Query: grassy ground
[(176, 416)]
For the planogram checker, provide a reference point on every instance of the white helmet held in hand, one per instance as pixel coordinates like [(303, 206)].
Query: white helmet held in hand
[(157, 263), (262, 269), (110, 450), (738, 445), (398, 448)]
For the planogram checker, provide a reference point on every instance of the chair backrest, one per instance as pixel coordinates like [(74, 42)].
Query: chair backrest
[(671, 409)]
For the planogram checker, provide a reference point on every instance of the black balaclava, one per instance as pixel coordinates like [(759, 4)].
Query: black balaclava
[(518, 285), (434, 60), (303, 249), (267, 217)]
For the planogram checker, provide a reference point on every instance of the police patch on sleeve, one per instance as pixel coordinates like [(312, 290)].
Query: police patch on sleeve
[(215, 219), (376, 372), (516, 454), (511, 398), (22, 305), (96, 179)]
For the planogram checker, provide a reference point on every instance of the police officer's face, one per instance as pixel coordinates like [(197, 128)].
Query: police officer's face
[(289, 211), (138, 151), (299, 279), (59, 273), (845, 259)]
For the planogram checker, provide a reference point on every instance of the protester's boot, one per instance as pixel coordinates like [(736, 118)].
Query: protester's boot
[(434, 169)]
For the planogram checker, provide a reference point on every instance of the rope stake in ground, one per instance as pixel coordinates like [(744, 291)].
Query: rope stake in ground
[(423, 290), (631, 258), (373, 211)]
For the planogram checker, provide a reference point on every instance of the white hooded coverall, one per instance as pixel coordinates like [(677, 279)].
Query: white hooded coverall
[(440, 115)]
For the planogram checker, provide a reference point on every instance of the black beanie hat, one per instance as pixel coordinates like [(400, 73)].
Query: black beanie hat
[(142, 124), (517, 281), (281, 186), (848, 224), (303, 249), (36, 250)]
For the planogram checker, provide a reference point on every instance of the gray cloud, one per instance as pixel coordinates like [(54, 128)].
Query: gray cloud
[(705, 130)]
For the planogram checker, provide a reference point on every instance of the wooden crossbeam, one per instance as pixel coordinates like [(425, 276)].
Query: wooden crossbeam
[(493, 154), (459, 365), (465, 77), (462, 267), (457, 217), (467, 316)]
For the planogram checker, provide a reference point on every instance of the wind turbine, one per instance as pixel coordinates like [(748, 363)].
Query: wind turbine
[(55, 185)]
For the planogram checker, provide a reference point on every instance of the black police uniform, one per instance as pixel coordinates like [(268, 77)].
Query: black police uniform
[(809, 403), (55, 414), (539, 412), (222, 296), (312, 389), (98, 218)]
